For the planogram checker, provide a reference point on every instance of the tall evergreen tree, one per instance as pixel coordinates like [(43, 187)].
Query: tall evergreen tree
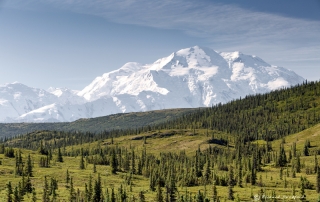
[(9, 192), (59, 155), (122, 194), (294, 149), (94, 168), (172, 188), (53, 188), (67, 177), (239, 175), (298, 164), (34, 195), (315, 163), (114, 165), (97, 194), (90, 188), (230, 193), (45, 195), (133, 163), (29, 167), (318, 180), (207, 171), (253, 176), (214, 192), (28, 185), (199, 197), (16, 195), (19, 163), (81, 166), (231, 181), (159, 196), (72, 192), (142, 198), (306, 150), (282, 159), (113, 197), (302, 189)]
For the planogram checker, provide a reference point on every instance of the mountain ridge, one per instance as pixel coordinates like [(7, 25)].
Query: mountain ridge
[(191, 77)]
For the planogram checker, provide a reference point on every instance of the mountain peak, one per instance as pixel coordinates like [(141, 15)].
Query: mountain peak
[(16, 83), (192, 57), (191, 77)]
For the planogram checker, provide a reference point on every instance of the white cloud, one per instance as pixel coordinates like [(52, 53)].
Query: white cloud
[(225, 27), (217, 22)]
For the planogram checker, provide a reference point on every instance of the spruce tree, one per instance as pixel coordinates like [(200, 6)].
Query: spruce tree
[(172, 188), (214, 192), (298, 165), (239, 175), (45, 195), (122, 193), (282, 159), (144, 140), (315, 163), (16, 195), (67, 178), (113, 197), (200, 197), (230, 193), (318, 180), (253, 176), (53, 188), (207, 171), (28, 185), (293, 190), (29, 166), (9, 192), (302, 189), (86, 192), (294, 149), (34, 195), (94, 168), (231, 181), (305, 150), (81, 166), (90, 188), (142, 198), (159, 196), (19, 163), (152, 182), (21, 186), (97, 193), (59, 155), (72, 193), (114, 163), (133, 164)]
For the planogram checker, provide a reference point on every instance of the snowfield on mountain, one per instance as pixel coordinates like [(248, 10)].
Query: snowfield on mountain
[(188, 78)]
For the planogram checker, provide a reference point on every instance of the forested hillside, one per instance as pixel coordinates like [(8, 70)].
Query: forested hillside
[(262, 147), (97, 125), (267, 116)]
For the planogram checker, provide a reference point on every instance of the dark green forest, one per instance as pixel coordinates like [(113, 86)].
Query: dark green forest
[(96, 125)]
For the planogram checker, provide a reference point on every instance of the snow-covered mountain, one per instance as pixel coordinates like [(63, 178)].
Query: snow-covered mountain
[(191, 77)]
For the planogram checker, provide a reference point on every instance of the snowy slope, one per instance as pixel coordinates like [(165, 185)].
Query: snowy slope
[(191, 77), (17, 99)]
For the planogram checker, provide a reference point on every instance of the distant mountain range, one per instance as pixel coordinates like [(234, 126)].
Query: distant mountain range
[(188, 78)]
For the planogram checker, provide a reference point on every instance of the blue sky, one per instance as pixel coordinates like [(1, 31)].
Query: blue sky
[(63, 43)]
